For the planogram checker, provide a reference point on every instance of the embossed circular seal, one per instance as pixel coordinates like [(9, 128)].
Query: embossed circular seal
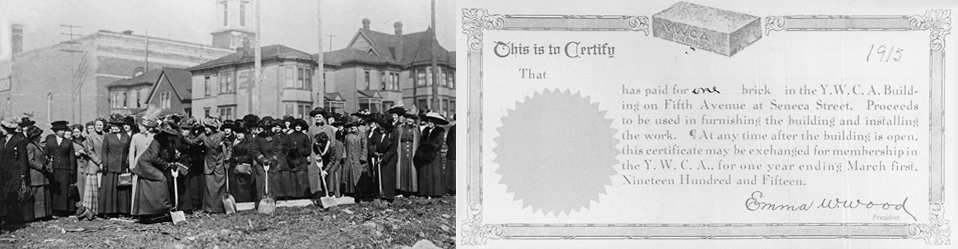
[(556, 152)]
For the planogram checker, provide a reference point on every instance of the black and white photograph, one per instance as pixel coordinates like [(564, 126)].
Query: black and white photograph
[(228, 124)]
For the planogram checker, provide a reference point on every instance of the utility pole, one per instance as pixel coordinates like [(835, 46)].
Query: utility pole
[(75, 96), (257, 64), (319, 56), (435, 68)]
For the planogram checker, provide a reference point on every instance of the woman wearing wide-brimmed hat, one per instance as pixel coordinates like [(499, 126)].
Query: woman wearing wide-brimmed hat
[(12, 172), (243, 161), (39, 204), (354, 165), (274, 144), (60, 149), (152, 202), (407, 135), (214, 168), (298, 159), (428, 161), (114, 199)]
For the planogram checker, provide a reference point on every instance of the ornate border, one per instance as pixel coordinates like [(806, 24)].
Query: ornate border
[(935, 232)]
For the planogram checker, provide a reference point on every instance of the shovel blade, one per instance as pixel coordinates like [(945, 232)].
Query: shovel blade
[(345, 200), (267, 205), (328, 201), (229, 204), (177, 217)]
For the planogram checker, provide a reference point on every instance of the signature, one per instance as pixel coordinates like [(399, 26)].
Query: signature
[(754, 204)]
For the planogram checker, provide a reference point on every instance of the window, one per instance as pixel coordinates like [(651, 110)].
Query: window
[(207, 86), (138, 71), (226, 83), (206, 112), (300, 79), (452, 108), (297, 109), (125, 99), (290, 109), (423, 104), (367, 80), (165, 100), (421, 77), (227, 112), (243, 14), (445, 107), (290, 77), (304, 110), (49, 106), (449, 78), (188, 111), (442, 78), (225, 14), (382, 81), (138, 101), (308, 81), (452, 80), (395, 86)]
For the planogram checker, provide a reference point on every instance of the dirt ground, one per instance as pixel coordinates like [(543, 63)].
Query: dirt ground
[(363, 225)]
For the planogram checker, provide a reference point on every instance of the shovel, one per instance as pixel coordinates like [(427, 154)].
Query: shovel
[(177, 216), (327, 201), (267, 205), (229, 203)]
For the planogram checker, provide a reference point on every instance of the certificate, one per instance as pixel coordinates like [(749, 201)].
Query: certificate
[(706, 124)]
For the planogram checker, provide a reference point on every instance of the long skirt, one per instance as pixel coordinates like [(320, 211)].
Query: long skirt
[(287, 183), (197, 188), (152, 197), (430, 179), (450, 176), (406, 177), (240, 185), (40, 207), (90, 191), (388, 171), (334, 179), (215, 185), (113, 199), (60, 189)]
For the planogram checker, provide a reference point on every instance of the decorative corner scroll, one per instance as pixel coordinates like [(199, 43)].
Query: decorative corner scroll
[(776, 23), (474, 232), (937, 231), (938, 21), (474, 21), (639, 23)]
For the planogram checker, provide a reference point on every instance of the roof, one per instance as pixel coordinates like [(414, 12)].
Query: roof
[(369, 94), (416, 50), (180, 80), (148, 77), (333, 97), (270, 52)]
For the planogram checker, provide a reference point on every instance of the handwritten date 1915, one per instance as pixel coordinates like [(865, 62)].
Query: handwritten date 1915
[(753, 203), (884, 54)]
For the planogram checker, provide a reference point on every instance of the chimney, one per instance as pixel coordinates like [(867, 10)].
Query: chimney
[(365, 23), (246, 48), (17, 38), (128, 32), (399, 48)]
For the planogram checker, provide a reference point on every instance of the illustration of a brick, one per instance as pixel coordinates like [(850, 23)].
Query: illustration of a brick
[(720, 31)]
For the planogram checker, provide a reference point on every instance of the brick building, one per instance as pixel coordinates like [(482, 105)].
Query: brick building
[(68, 81)]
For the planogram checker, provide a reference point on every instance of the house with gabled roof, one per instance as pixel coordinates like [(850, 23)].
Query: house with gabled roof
[(225, 87), (376, 70)]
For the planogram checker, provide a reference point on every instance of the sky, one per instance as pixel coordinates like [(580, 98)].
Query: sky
[(289, 22)]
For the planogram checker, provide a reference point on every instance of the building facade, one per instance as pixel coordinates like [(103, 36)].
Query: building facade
[(166, 88), (225, 87), (68, 81), (377, 70)]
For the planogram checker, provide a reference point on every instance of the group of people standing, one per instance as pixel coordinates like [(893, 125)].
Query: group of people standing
[(127, 166)]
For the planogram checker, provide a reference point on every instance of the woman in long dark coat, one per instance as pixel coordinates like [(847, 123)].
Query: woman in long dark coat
[(60, 149), (450, 172), (298, 159), (407, 136), (114, 200), (214, 169), (429, 165), (245, 151), (388, 149), (273, 145), (40, 205), (153, 201), (13, 173)]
